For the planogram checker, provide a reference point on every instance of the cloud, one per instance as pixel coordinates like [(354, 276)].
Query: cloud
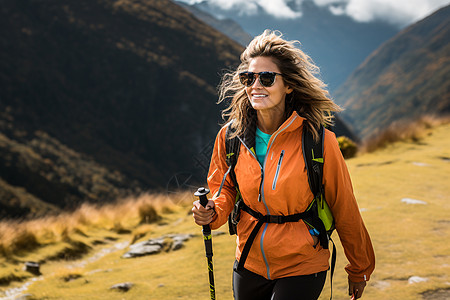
[(245, 7), (396, 12), (277, 8), (281, 9), (399, 12)]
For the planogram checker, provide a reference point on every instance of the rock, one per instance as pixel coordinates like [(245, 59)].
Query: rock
[(179, 237), (416, 279), (412, 201), (178, 240), (142, 249), (123, 287), (24, 297), (32, 267), (170, 242), (177, 245)]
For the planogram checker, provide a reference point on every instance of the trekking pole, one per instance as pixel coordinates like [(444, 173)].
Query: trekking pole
[(201, 193)]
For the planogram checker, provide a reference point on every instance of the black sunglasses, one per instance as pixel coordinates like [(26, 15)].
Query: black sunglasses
[(266, 79)]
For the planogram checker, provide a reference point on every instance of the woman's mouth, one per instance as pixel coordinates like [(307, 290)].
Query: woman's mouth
[(259, 96)]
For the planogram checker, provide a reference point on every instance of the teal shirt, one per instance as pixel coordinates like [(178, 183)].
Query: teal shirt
[(261, 142)]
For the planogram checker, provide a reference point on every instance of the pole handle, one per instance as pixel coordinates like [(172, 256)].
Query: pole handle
[(201, 194)]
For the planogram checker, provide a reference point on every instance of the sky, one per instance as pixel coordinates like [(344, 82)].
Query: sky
[(396, 12)]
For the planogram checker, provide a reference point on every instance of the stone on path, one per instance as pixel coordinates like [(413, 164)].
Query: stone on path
[(124, 287), (412, 201), (32, 267), (170, 242), (416, 279)]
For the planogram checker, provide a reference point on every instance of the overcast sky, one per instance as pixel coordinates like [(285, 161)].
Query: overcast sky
[(397, 12)]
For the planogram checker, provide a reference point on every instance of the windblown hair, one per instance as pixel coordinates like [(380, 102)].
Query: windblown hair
[(309, 97)]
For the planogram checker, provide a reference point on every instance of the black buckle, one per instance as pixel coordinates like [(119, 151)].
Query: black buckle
[(276, 219), (236, 213)]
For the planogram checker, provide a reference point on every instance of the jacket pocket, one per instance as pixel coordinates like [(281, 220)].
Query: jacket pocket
[(313, 240), (275, 179)]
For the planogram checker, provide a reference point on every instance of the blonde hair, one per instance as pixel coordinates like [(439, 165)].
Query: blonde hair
[(309, 97)]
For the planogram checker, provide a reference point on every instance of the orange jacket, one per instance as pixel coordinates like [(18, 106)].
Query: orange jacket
[(281, 250)]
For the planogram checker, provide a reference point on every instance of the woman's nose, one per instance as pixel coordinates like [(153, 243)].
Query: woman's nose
[(257, 84)]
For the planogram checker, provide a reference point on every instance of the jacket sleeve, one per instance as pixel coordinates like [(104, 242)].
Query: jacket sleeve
[(224, 202), (349, 224)]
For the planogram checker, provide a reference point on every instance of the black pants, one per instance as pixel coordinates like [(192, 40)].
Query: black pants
[(250, 286)]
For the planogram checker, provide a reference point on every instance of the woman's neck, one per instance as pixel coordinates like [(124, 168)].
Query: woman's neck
[(269, 121)]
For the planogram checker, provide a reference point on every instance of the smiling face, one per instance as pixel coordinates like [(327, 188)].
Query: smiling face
[(267, 98)]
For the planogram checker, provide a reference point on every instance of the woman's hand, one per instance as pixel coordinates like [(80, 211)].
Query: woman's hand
[(203, 215), (356, 288)]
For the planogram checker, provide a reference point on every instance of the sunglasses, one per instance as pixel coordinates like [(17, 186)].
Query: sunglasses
[(267, 79)]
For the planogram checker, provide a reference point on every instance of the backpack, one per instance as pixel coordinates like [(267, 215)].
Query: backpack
[(318, 214), (313, 156)]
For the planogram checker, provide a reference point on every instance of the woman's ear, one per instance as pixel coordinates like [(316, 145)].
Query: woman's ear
[(289, 90)]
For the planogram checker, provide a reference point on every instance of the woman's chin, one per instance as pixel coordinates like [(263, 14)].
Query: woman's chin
[(259, 104)]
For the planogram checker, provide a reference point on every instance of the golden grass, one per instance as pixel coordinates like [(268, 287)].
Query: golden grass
[(410, 240), (404, 131), (19, 237), (68, 274)]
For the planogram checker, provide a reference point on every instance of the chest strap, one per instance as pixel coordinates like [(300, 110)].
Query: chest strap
[(277, 219)]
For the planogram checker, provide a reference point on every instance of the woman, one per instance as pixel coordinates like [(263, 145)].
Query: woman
[(274, 97)]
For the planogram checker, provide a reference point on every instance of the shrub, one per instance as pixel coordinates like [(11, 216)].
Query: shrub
[(347, 146), (148, 213), (20, 237), (413, 131), (24, 241)]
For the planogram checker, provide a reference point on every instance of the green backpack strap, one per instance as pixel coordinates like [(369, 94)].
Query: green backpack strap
[(323, 221), (313, 156), (232, 147)]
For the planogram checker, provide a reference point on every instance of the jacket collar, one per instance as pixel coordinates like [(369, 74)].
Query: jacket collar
[(292, 123)]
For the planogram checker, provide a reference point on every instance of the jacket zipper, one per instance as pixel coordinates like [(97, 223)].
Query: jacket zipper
[(261, 167), (275, 179), (261, 191), (264, 200)]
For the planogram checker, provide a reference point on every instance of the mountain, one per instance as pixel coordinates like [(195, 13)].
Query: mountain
[(40, 176), (227, 26), (338, 44), (404, 79), (123, 92)]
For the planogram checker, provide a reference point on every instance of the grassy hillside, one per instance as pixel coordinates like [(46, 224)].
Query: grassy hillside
[(131, 84), (409, 239), (39, 174), (405, 78)]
